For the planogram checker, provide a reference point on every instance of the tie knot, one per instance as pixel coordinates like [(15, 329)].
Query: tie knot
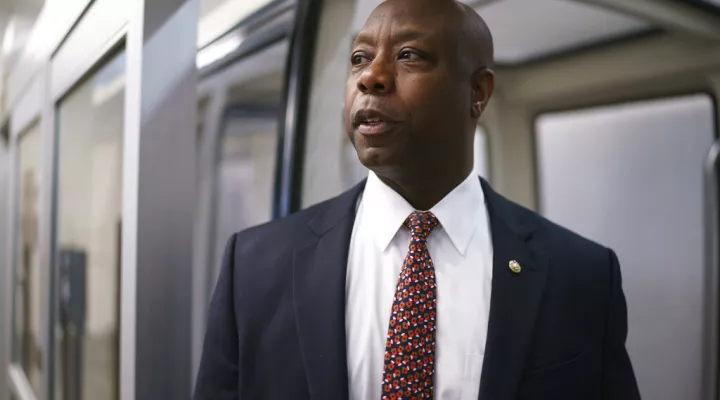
[(421, 223)]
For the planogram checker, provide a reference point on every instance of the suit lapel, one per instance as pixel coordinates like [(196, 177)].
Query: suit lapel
[(319, 273), (514, 301)]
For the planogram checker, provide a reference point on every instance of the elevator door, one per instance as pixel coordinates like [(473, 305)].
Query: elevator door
[(630, 177)]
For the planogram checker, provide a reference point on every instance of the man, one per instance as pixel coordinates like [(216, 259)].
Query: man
[(421, 282)]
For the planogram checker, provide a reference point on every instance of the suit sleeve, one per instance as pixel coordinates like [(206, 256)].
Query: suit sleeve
[(618, 378), (218, 372)]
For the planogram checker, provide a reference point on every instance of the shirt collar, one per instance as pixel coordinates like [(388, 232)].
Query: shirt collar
[(385, 208), (458, 212)]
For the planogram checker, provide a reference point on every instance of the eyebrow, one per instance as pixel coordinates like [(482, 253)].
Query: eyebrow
[(402, 36)]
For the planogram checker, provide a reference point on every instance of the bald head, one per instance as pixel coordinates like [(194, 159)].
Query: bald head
[(464, 27), (478, 38)]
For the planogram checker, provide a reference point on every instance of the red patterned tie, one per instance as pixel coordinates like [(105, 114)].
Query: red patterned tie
[(410, 349)]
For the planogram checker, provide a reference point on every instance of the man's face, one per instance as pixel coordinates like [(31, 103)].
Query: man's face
[(408, 96)]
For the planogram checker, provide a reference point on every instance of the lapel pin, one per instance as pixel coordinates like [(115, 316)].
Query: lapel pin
[(515, 267)]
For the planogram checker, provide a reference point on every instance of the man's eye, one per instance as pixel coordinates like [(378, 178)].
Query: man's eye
[(357, 59), (408, 55)]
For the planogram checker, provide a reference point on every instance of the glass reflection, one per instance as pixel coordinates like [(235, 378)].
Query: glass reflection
[(246, 160), (245, 173), (89, 224), (28, 290)]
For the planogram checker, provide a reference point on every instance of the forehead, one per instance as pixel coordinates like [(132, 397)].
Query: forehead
[(404, 19)]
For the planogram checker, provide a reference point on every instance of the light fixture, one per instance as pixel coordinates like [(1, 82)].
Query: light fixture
[(9, 37), (218, 50)]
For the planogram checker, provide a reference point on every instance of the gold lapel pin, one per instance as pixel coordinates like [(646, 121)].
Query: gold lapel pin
[(515, 266)]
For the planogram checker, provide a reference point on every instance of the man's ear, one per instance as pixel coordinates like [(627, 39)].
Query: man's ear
[(483, 85)]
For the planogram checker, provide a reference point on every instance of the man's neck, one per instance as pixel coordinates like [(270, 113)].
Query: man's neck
[(424, 191)]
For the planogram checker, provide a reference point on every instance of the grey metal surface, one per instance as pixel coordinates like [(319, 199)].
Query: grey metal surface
[(47, 232), (5, 272), (712, 281), (159, 200), (203, 240), (28, 107), (629, 176), (98, 30), (10, 256)]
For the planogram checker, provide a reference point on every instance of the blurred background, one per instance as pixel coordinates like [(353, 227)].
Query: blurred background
[(136, 136)]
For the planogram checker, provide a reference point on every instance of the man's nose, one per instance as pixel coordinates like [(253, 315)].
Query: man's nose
[(378, 77)]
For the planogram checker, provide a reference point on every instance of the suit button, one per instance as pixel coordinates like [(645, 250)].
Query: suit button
[(515, 266)]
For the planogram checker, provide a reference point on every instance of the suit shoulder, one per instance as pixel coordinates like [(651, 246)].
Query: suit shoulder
[(287, 231), (555, 238), (282, 228), (577, 263)]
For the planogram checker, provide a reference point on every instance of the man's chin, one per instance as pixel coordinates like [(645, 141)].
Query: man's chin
[(378, 158)]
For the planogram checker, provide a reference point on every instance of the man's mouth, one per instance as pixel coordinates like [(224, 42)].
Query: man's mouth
[(374, 126), (372, 122)]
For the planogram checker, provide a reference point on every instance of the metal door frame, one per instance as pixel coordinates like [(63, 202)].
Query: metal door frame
[(712, 271), (19, 383), (215, 79)]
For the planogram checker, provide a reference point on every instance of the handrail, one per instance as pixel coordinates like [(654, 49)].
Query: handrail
[(711, 372), (293, 123)]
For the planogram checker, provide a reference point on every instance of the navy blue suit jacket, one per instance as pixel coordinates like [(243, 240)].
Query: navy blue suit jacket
[(276, 325)]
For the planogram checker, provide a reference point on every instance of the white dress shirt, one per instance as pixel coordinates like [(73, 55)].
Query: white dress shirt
[(461, 250)]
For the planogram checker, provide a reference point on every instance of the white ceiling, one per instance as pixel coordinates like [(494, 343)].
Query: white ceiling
[(529, 29), (25, 7), (208, 5), (217, 16)]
